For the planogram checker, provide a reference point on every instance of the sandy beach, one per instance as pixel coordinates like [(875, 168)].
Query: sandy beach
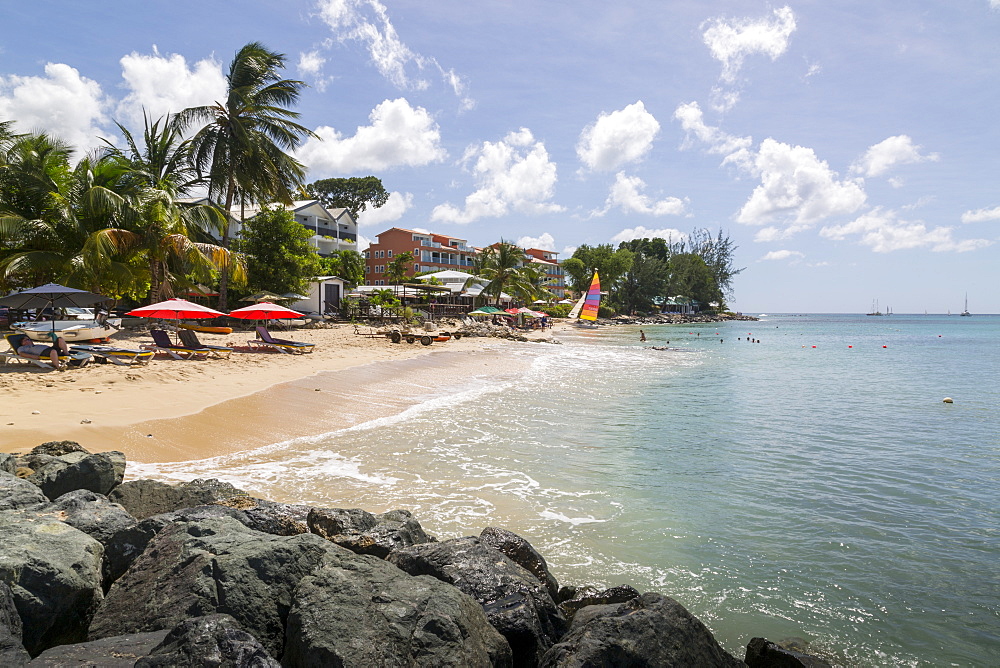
[(230, 404)]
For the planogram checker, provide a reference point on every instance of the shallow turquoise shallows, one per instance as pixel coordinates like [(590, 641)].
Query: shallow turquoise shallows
[(812, 485)]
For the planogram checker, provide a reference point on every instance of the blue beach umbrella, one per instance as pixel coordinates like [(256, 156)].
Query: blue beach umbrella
[(51, 295)]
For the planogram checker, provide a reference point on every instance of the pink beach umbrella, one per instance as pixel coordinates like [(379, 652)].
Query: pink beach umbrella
[(175, 309), (265, 311)]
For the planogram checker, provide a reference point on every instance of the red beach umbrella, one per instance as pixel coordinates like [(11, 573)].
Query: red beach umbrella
[(265, 311), (175, 309)]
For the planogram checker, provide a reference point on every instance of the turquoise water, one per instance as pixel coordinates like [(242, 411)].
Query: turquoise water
[(792, 487)]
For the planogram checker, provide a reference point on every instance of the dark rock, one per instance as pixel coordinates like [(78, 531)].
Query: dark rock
[(145, 498), (8, 463), (17, 493), (58, 448), (213, 640), (651, 630), (515, 602), (522, 553), (193, 569), (280, 519), (363, 533), (116, 652), (91, 513), (54, 573), (128, 543), (566, 592), (12, 652), (358, 610), (587, 596), (77, 470), (762, 653)]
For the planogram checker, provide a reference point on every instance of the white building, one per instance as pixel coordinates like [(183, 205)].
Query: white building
[(333, 229)]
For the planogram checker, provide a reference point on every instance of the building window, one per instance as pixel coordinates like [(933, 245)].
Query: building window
[(390, 252), (367, 268), (416, 252), (367, 255), (416, 267)]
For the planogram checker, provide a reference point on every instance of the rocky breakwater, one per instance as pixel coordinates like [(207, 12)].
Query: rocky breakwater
[(676, 318), (94, 571)]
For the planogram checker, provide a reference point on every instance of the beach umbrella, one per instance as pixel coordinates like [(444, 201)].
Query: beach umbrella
[(51, 295), (265, 311), (294, 296), (175, 309), (261, 297)]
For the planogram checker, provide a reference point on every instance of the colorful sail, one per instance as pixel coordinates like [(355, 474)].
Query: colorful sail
[(593, 301)]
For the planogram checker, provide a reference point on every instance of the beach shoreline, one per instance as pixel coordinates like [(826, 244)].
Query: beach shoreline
[(174, 410)]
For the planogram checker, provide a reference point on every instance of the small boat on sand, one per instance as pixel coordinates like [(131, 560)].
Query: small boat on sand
[(205, 328), (69, 330)]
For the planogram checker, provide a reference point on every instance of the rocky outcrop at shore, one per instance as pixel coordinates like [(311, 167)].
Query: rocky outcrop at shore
[(676, 318), (147, 574)]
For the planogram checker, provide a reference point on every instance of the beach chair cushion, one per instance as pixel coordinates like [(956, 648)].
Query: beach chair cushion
[(265, 336), (190, 338), (163, 342)]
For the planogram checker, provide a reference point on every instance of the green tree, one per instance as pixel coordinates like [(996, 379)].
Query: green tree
[(347, 264), (691, 277), (611, 263), (395, 271), (242, 147), (642, 284), (354, 194), (278, 254)]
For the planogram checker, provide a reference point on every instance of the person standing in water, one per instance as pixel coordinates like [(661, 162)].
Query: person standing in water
[(642, 335)]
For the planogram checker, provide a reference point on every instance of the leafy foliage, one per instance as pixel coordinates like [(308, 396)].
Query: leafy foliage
[(278, 255), (395, 271), (354, 194)]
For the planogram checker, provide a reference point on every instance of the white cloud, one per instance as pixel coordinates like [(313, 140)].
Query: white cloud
[(399, 135), (626, 194), (514, 174), (310, 66), (392, 210), (781, 255), (165, 84), (731, 41), (568, 251), (883, 232), (640, 232), (367, 22), (796, 187), (735, 149), (982, 215), (543, 242), (62, 103), (617, 138), (881, 157)]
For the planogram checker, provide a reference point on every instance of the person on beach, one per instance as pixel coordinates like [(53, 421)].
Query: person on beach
[(29, 348), (642, 335)]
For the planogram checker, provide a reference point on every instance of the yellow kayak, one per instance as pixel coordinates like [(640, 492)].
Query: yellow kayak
[(207, 329)]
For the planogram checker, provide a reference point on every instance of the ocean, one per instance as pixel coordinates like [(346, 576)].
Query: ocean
[(810, 485)]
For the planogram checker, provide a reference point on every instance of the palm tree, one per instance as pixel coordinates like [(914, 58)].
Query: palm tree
[(175, 240), (500, 264), (241, 148), (395, 271)]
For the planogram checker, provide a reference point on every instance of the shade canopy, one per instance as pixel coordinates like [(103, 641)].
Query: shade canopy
[(175, 309), (265, 311), (261, 297), (52, 295)]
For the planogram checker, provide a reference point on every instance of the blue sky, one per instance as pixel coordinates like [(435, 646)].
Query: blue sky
[(851, 149)]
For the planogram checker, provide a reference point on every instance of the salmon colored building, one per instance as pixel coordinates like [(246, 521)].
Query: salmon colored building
[(555, 272), (431, 252)]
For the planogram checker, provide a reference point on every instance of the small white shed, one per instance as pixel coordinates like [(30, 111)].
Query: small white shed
[(325, 295)]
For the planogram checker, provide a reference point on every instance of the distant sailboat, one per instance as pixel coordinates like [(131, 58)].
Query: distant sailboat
[(966, 311), (875, 310)]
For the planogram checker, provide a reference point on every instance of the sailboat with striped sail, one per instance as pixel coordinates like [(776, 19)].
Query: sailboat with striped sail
[(590, 302)]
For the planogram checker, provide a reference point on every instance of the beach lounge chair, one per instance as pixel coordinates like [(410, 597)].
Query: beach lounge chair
[(190, 338), (15, 341), (114, 355), (162, 344), (265, 340)]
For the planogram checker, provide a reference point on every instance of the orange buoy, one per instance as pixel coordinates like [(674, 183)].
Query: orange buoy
[(850, 346), (885, 346), (814, 346)]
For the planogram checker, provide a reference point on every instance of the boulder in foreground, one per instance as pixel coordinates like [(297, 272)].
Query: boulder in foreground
[(358, 610), (515, 602), (762, 653), (651, 630), (214, 640), (54, 574)]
